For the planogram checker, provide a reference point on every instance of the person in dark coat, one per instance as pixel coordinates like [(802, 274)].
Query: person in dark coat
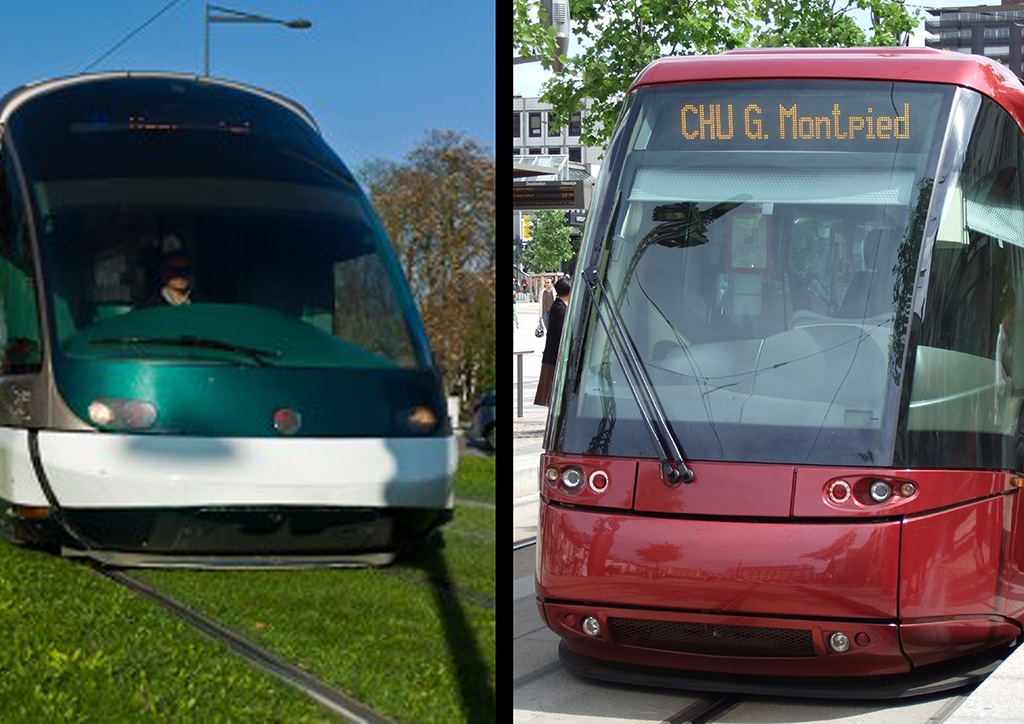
[(556, 320)]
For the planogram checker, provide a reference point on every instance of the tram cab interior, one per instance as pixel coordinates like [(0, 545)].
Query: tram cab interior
[(734, 298), (106, 264)]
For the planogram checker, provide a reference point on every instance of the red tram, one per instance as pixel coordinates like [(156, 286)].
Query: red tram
[(786, 441)]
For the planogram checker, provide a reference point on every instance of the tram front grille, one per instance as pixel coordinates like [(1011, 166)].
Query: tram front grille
[(712, 639)]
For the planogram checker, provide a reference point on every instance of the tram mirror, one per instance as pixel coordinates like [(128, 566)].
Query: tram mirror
[(683, 224)]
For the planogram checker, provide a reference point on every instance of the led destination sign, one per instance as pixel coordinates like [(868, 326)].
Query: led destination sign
[(534, 195), (781, 121)]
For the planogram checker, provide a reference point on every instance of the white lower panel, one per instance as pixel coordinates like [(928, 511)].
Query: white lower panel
[(18, 482), (93, 470)]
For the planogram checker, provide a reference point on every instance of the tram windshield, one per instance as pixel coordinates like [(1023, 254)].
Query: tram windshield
[(761, 249), (226, 201)]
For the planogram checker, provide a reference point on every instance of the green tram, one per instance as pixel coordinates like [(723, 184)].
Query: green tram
[(208, 353)]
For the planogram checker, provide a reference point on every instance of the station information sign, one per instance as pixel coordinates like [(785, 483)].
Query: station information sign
[(539, 195)]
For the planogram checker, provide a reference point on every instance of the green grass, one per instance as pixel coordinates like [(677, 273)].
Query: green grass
[(77, 647), (414, 641), (474, 479)]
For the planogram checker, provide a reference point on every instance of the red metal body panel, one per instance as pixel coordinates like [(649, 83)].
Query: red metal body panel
[(1011, 573), (951, 561), (935, 641), (719, 489), (807, 569), (926, 65)]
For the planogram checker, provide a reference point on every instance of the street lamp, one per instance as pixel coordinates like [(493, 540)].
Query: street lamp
[(227, 15)]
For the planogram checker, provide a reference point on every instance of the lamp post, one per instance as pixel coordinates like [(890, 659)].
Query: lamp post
[(227, 15)]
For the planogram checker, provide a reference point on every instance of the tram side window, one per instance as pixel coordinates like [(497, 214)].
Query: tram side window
[(366, 311), (19, 313), (970, 363)]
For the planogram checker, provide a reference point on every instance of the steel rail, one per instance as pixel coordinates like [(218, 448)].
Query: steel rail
[(330, 698)]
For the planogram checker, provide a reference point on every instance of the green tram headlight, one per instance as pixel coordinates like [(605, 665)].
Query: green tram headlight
[(421, 419), (120, 414)]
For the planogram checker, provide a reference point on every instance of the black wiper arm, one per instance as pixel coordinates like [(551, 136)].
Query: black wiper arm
[(673, 467), (188, 340)]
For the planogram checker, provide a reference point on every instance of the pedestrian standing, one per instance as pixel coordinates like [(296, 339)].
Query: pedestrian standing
[(547, 298), (556, 318)]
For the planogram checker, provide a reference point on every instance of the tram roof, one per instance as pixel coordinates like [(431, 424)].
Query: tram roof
[(14, 98), (927, 65)]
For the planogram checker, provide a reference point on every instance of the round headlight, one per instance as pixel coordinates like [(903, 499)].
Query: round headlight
[(287, 421), (839, 642), (598, 481), (572, 479), (838, 491), (880, 491), (101, 413)]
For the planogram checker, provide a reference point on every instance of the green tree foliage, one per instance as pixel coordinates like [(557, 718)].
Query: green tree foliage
[(438, 210), (551, 243), (828, 23), (618, 38), (531, 36)]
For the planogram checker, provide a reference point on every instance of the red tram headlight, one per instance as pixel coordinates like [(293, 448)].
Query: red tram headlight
[(572, 480), (591, 626), (839, 491), (839, 642), (598, 481), (907, 489), (880, 491)]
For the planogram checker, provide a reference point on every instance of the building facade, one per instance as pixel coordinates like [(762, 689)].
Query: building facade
[(549, 143), (536, 131), (990, 30)]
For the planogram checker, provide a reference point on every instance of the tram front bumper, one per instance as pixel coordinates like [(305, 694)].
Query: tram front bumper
[(757, 598)]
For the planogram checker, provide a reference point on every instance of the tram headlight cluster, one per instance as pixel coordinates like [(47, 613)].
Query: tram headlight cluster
[(574, 480), (868, 491), (840, 642), (120, 414)]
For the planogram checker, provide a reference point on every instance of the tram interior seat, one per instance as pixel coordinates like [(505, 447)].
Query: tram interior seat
[(870, 291)]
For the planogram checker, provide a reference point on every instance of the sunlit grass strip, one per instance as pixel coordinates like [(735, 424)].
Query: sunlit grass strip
[(366, 632), (77, 647), (405, 640), (474, 480)]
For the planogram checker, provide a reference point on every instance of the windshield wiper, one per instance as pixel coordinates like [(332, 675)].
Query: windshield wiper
[(673, 467), (188, 340)]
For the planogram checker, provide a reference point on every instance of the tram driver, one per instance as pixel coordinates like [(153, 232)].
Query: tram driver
[(177, 274)]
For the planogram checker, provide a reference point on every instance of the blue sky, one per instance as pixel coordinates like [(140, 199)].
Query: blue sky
[(376, 75)]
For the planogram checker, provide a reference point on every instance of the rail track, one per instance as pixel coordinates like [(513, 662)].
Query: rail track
[(335, 701)]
